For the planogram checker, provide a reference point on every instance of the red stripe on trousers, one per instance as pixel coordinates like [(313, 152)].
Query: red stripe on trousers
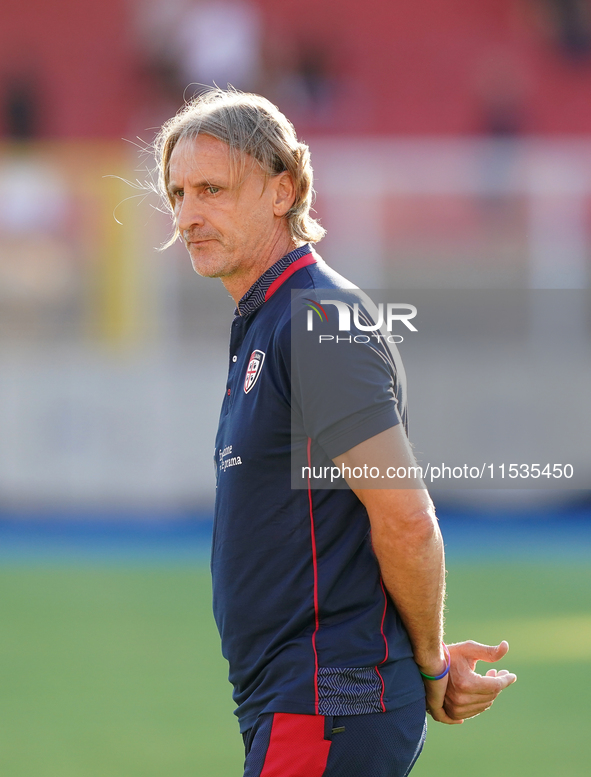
[(297, 747)]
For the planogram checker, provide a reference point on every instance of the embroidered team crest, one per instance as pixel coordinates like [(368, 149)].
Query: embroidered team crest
[(255, 364)]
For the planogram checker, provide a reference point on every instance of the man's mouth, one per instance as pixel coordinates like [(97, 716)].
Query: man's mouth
[(197, 241)]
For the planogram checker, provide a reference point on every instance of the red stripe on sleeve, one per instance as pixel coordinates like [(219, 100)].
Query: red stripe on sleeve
[(297, 747)]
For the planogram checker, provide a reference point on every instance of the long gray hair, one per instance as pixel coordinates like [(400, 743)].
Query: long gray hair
[(248, 124)]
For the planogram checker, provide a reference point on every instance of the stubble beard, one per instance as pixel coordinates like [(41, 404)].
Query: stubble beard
[(211, 260)]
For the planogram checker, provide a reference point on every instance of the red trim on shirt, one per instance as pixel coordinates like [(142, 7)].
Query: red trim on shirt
[(383, 619), (315, 567), (385, 644), (303, 261), (383, 690), (297, 746)]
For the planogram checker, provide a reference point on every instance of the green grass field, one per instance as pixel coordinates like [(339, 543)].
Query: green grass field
[(116, 672)]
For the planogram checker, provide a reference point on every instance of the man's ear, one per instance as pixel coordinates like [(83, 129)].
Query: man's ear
[(283, 193)]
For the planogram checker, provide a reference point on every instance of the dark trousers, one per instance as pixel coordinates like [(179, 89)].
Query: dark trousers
[(382, 744)]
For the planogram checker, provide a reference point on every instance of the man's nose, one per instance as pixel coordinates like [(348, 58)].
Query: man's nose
[(189, 214)]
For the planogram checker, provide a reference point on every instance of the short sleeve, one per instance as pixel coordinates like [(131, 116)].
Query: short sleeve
[(345, 386)]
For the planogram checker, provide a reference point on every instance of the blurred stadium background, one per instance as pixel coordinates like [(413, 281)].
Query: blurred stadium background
[(452, 147)]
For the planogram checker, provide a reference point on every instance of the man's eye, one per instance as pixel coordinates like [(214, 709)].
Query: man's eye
[(213, 189), (179, 194)]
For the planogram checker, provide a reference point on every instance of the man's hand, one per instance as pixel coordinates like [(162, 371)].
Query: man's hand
[(435, 692), (467, 693)]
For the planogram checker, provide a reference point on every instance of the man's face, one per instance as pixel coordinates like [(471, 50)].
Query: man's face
[(224, 224)]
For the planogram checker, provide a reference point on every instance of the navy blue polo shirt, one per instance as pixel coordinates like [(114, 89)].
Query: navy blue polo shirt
[(305, 621)]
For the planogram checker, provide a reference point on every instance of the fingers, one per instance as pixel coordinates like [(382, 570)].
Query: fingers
[(468, 693), (508, 678), (470, 696), (435, 698), (499, 673), (475, 651), (466, 711), (441, 716), (500, 650), (461, 708), (470, 685)]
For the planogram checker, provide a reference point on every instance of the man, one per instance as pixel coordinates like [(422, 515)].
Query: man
[(329, 601)]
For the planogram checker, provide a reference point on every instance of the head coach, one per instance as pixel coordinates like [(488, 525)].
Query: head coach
[(329, 602)]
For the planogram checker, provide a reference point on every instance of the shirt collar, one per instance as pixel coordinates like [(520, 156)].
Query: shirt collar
[(255, 296)]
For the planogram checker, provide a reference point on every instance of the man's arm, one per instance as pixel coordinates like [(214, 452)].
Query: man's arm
[(409, 548)]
